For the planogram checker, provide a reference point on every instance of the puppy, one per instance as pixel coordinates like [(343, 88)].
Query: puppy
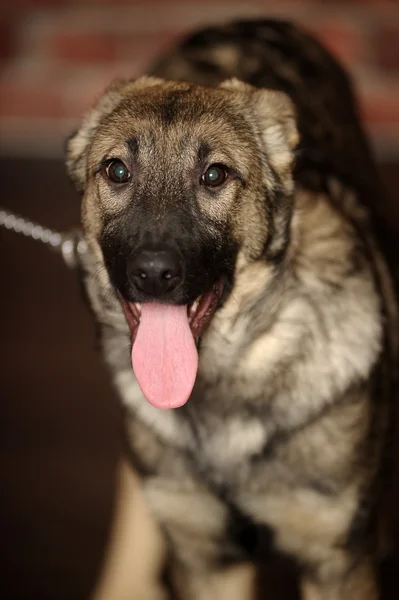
[(226, 203)]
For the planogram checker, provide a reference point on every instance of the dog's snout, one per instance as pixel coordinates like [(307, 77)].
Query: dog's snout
[(155, 271)]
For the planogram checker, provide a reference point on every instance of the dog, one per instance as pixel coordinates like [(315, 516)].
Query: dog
[(227, 206)]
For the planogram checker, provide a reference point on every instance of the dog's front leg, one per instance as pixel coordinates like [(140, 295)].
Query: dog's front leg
[(196, 575), (341, 577), (194, 522), (207, 582)]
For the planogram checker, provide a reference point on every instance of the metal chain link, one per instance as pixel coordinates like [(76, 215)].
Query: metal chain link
[(69, 244)]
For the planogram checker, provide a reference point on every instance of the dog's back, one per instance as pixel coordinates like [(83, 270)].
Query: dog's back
[(274, 54)]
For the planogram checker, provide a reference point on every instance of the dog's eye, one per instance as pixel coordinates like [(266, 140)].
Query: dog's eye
[(214, 176), (117, 172)]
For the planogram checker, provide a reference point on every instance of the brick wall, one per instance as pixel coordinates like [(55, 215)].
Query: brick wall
[(57, 56)]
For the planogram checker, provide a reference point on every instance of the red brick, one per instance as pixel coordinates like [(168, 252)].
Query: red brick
[(79, 48), (386, 44), (24, 99), (40, 3), (379, 109), (60, 3), (344, 41), (145, 45), (368, 3)]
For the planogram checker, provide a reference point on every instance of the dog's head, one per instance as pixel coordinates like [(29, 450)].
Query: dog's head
[(177, 182)]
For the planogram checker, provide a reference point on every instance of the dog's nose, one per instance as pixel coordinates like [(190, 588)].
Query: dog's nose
[(155, 272)]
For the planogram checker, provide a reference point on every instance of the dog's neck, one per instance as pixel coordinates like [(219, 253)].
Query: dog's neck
[(271, 315)]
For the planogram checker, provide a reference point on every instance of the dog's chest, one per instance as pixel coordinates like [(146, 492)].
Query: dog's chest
[(223, 449)]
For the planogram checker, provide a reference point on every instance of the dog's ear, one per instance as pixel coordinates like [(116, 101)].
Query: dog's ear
[(277, 119), (78, 145), (275, 115)]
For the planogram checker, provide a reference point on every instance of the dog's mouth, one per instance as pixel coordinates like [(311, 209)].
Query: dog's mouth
[(164, 352)]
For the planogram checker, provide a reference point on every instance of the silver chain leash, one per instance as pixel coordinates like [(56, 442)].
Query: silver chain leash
[(69, 244)]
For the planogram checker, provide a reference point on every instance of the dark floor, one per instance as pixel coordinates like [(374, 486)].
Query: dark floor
[(59, 418)]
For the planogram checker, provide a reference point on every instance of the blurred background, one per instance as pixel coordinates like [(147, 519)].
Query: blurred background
[(59, 419), (57, 56)]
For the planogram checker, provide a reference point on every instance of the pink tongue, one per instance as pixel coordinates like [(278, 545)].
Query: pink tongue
[(164, 355)]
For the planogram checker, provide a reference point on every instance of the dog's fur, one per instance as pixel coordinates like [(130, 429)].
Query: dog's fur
[(281, 445)]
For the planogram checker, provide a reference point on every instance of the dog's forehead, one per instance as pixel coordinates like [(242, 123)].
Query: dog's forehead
[(172, 102), (179, 116)]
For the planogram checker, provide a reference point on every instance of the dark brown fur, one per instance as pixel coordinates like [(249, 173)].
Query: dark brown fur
[(281, 445)]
